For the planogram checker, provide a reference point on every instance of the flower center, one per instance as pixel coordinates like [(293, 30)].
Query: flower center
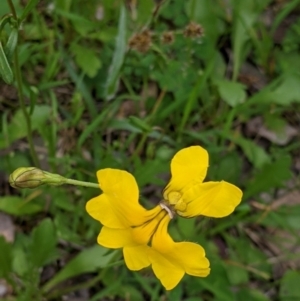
[(173, 203)]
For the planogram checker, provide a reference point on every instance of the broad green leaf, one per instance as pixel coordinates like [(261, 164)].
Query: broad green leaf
[(283, 90), (144, 11), (43, 243), (17, 128), (227, 167), (17, 206), (254, 153), (233, 93), (86, 59), (5, 257), (287, 91), (88, 260), (271, 175), (111, 84), (289, 286), (20, 261)]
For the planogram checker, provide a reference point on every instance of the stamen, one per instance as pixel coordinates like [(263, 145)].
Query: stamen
[(164, 206)]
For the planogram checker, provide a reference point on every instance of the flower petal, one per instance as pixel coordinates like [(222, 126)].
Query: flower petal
[(170, 260), (169, 273), (213, 199), (118, 206), (101, 209), (136, 258), (115, 238), (192, 258), (188, 167)]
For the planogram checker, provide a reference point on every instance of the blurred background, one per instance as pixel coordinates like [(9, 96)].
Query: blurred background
[(125, 84)]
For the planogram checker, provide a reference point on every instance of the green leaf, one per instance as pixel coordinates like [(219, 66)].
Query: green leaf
[(111, 84), (96, 123), (287, 91), (89, 260), (43, 243), (218, 283), (86, 59), (17, 128), (233, 93), (139, 123), (82, 25), (11, 43), (5, 257), (251, 294), (17, 206), (30, 5), (237, 275), (20, 261), (283, 90), (244, 16), (289, 286), (5, 69), (254, 153), (144, 11), (271, 175)]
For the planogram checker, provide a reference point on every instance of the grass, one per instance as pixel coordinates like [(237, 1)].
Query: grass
[(82, 100)]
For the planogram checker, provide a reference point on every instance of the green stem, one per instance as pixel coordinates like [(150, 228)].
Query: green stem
[(12, 8), (82, 183), (21, 96)]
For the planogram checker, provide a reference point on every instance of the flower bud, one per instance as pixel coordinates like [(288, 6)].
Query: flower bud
[(32, 177)]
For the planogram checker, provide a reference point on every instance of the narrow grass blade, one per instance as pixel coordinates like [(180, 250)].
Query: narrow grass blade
[(111, 84), (30, 5)]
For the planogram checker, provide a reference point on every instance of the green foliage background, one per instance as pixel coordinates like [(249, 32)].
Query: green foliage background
[(93, 103)]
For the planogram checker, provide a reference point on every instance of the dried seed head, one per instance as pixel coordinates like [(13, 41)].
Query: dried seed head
[(141, 41), (193, 30), (167, 37)]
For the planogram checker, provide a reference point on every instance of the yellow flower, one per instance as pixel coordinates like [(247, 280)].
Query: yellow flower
[(188, 196), (142, 233)]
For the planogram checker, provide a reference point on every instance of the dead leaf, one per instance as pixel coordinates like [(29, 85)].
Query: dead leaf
[(256, 127), (7, 229)]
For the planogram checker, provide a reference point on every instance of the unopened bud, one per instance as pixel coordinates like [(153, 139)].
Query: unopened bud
[(32, 177)]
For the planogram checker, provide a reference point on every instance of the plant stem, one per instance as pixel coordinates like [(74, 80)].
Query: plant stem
[(81, 183), (12, 8), (21, 96)]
